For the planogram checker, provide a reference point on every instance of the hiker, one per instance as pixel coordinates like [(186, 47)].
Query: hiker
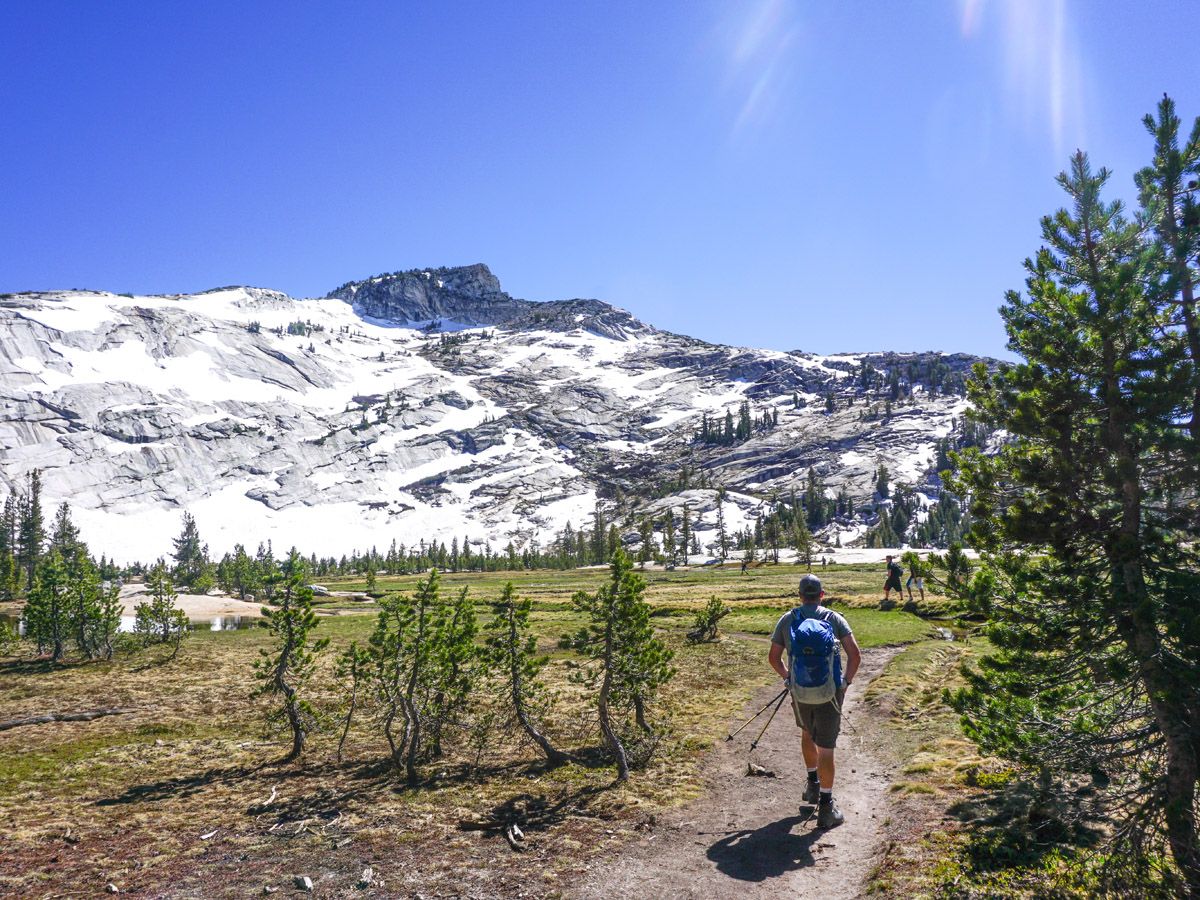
[(745, 565), (894, 571), (814, 637), (914, 575)]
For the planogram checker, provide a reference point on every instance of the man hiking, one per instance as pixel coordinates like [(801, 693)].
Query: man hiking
[(894, 571), (814, 637)]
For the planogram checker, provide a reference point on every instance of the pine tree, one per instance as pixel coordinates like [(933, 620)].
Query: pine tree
[(685, 533), (646, 551), (47, 613), (191, 558), (722, 536), (456, 664), (881, 482), (512, 654), (802, 540), (10, 570), (159, 620), (31, 528), (284, 669), (1078, 521), (628, 662), (1170, 205), (351, 668)]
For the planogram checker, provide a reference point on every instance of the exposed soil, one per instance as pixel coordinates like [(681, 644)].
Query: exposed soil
[(752, 836)]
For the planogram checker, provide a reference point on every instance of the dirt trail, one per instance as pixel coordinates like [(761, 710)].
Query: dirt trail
[(752, 837)]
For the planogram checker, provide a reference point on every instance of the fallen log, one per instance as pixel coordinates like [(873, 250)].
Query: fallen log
[(63, 717)]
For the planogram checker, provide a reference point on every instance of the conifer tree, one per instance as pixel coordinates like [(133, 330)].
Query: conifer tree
[(512, 654), (646, 533), (685, 533), (285, 668), (628, 663), (47, 612), (10, 569), (722, 535), (159, 620), (191, 558), (31, 527), (456, 665), (351, 668), (1077, 519)]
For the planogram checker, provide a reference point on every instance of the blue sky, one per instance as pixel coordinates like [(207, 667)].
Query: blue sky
[(798, 175)]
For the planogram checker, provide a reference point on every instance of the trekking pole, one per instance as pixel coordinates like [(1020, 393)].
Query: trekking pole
[(733, 734), (769, 720)]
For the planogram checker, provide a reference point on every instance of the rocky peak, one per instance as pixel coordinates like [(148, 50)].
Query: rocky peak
[(471, 295)]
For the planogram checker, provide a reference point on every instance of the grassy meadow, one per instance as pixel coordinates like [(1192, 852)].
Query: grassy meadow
[(185, 789)]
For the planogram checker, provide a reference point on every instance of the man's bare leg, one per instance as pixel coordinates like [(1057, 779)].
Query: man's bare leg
[(818, 758)]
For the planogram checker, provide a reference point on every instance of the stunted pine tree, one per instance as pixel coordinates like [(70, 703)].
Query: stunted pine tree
[(285, 667), (47, 612), (351, 669), (512, 654), (455, 665), (422, 653), (1085, 520), (628, 662), (159, 620)]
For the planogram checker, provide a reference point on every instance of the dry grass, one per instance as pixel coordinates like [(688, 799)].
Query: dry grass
[(135, 799)]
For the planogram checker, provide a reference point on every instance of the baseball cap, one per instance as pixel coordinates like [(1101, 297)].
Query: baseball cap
[(810, 586)]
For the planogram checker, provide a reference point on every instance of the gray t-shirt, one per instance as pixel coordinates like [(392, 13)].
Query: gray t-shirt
[(841, 627)]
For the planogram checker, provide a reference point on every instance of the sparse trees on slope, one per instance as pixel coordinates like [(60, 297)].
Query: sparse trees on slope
[(1095, 574), (285, 668), (512, 653)]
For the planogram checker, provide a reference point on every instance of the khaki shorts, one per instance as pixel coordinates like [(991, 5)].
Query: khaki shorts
[(822, 721)]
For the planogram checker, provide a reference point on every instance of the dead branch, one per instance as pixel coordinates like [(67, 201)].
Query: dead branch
[(63, 717)]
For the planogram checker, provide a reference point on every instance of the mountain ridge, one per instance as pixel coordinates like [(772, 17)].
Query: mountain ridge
[(374, 413)]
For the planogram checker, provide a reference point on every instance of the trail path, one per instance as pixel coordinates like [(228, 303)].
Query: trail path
[(751, 836)]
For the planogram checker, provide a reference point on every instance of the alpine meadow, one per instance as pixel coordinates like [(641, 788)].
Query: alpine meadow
[(412, 587)]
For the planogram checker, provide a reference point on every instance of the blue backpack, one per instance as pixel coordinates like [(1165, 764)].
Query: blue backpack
[(815, 659)]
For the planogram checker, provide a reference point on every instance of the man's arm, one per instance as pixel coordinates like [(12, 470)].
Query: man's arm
[(775, 658), (853, 656)]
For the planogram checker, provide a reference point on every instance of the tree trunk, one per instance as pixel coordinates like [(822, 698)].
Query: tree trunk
[(639, 713), (610, 736), (554, 756), (349, 718)]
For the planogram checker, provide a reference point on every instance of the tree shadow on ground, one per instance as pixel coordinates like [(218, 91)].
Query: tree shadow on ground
[(1017, 825), (184, 786), (767, 852)]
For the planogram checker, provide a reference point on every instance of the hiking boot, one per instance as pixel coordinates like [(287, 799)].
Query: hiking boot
[(829, 816), (812, 792)]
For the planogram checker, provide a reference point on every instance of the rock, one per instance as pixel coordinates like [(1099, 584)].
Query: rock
[(754, 770), (112, 888), (303, 883), (367, 878), (269, 889)]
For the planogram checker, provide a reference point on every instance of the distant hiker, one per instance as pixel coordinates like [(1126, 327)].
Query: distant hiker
[(894, 571), (814, 637), (914, 576), (745, 565), (822, 562)]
